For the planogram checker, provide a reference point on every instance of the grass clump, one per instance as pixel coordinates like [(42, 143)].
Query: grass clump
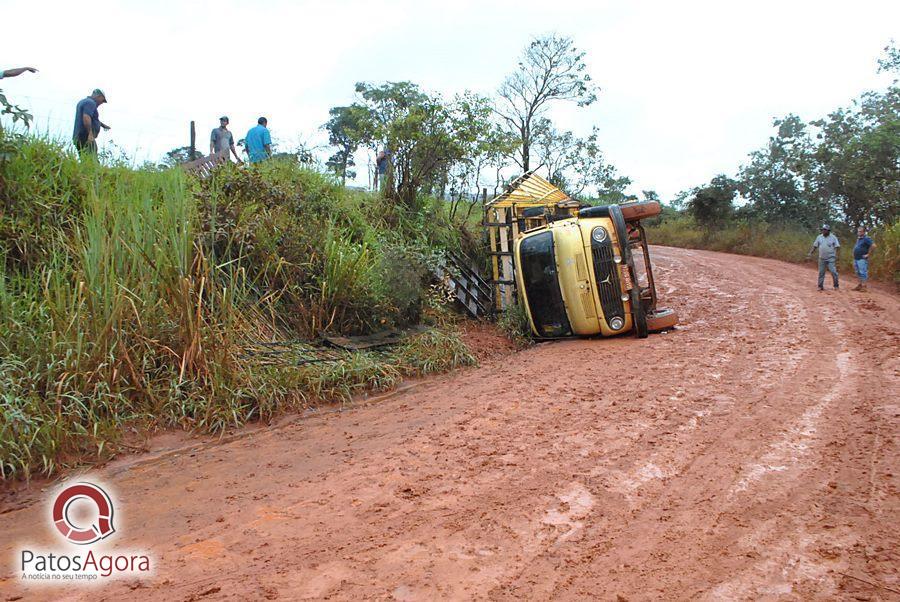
[(513, 323), (437, 350)]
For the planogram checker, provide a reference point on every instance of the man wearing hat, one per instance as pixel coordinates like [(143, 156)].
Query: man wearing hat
[(828, 245), (221, 140), (87, 122)]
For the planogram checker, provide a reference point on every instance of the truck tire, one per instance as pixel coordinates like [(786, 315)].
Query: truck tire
[(640, 210), (638, 316), (662, 319)]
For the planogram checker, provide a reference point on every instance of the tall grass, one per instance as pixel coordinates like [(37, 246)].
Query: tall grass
[(780, 242), (128, 296)]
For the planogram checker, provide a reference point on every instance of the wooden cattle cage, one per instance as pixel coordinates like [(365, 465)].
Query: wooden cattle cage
[(204, 166), (529, 202)]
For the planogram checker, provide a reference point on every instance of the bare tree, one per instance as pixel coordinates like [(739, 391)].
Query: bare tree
[(551, 68)]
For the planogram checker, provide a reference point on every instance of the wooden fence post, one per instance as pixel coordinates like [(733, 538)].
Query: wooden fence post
[(193, 142)]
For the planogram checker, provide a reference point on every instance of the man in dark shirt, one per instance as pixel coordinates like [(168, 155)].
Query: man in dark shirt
[(87, 122), (861, 251)]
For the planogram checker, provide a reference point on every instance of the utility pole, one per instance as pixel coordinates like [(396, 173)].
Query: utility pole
[(193, 141)]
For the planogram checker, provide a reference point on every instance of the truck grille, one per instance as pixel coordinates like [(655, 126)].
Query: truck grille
[(608, 288)]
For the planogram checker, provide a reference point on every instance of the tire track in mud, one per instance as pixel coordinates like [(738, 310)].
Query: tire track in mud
[(744, 455)]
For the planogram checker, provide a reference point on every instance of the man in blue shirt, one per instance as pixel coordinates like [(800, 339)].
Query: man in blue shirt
[(259, 141), (87, 122), (864, 246)]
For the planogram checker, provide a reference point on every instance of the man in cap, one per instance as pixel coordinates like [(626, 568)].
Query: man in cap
[(221, 140), (87, 122), (861, 252), (828, 245), (259, 141)]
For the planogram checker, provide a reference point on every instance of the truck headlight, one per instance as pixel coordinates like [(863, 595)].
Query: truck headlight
[(616, 323), (599, 234)]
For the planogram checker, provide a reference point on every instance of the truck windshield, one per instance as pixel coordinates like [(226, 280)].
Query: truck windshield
[(542, 286)]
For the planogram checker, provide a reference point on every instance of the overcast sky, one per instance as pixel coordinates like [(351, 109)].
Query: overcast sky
[(688, 88)]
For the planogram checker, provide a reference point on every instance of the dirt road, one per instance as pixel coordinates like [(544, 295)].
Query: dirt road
[(751, 454)]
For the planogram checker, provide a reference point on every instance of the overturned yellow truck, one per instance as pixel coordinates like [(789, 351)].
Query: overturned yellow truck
[(582, 271)]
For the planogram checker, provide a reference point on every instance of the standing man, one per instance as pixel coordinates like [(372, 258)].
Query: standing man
[(16, 71), (828, 246), (259, 141), (861, 251), (221, 140), (87, 122), (380, 167)]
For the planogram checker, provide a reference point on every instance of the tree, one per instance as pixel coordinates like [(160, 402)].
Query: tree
[(610, 185), (711, 205), (17, 112), (560, 152), (857, 161), (890, 61), (481, 143), (776, 181), (424, 135), (577, 165), (347, 130), (180, 155), (650, 195), (550, 69)]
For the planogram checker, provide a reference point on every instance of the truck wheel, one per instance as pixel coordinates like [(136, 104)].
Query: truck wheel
[(639, 210), (662, 319), (638, 316)]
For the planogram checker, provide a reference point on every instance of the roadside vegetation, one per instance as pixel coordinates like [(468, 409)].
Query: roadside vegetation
[(129, 297), (780, 242)]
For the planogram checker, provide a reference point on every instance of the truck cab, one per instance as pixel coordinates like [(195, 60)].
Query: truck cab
[(590, 274)]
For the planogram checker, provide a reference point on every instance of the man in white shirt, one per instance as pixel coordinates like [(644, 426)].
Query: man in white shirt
[(828, 245)]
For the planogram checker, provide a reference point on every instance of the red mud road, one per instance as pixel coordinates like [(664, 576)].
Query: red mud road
[(751, 454)]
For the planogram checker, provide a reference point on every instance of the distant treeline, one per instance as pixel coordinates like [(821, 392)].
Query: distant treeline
[(843, 167)]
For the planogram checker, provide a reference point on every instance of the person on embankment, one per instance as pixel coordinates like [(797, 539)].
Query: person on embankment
[(88, 124)]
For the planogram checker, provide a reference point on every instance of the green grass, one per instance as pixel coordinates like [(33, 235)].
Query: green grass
[(128, 296), (513, 322), (784, 243)]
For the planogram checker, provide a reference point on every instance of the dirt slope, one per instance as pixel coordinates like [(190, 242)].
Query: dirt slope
[(752, 454)]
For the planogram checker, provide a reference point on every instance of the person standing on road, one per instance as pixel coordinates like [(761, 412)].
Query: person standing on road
[(828, 246), (221, 141), (15, 72), (259, 141), (861, 252), (87, 122)]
